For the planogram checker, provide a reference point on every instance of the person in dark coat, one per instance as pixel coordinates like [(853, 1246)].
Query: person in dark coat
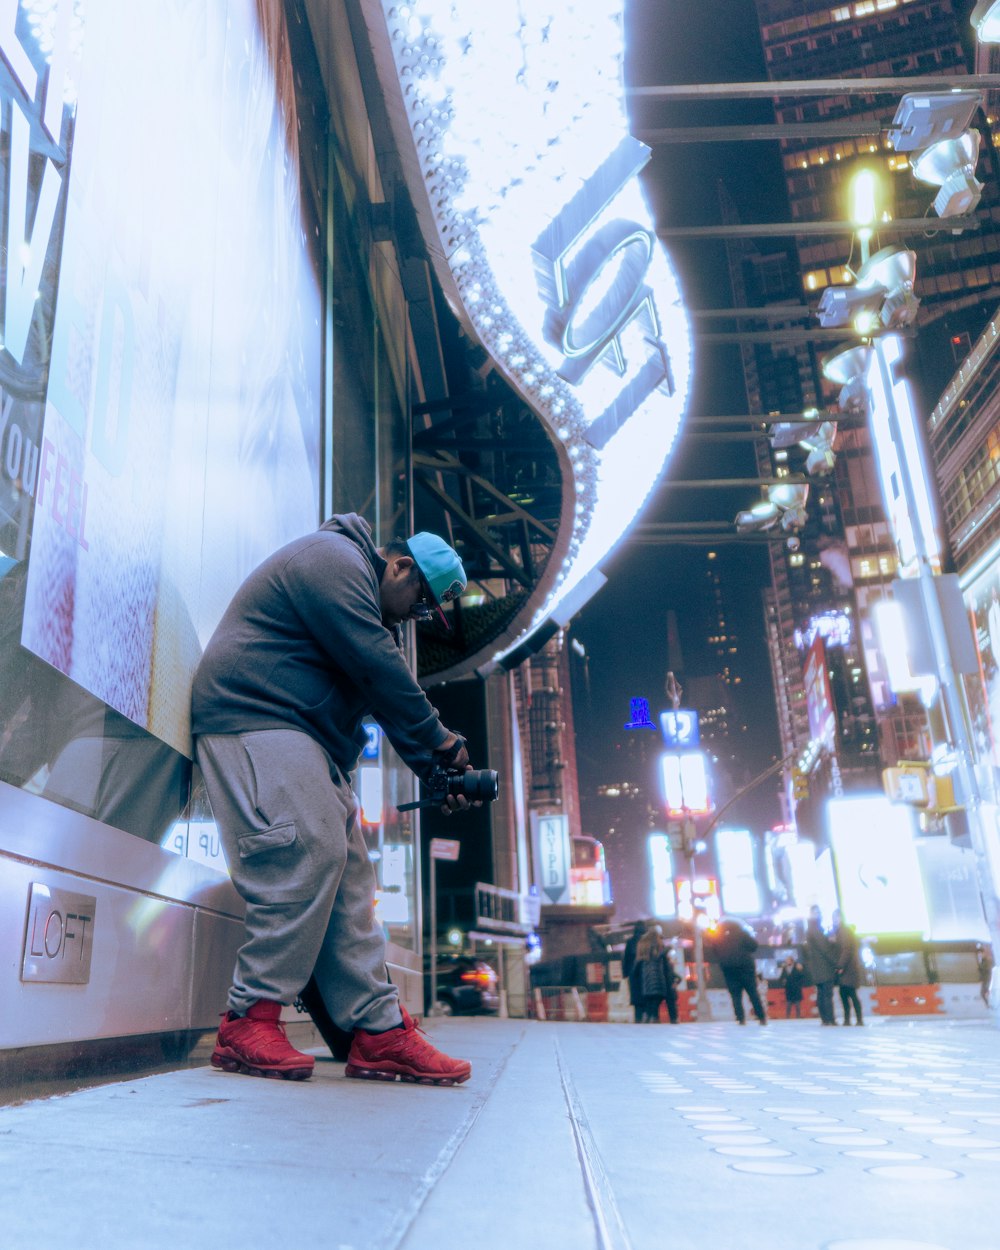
[(984, 967), (792, 980), (820, 958), (630, 970), (657, 975), (735, 946), (850, 970)]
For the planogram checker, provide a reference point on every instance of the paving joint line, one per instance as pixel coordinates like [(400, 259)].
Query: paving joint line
[(608, 1223)]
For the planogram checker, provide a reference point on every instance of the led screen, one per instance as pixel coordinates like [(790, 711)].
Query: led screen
[(734, 850), (661, 873), (180, 436), (881, 889), (518, 143)]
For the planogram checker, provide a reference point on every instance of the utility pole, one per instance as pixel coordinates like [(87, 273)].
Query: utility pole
[(688, 843)]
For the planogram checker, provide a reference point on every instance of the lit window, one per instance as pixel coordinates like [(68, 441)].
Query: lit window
[(864, 8), (842, 14)]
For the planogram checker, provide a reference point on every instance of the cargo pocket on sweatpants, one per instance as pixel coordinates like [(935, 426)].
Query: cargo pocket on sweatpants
[(274, 866)]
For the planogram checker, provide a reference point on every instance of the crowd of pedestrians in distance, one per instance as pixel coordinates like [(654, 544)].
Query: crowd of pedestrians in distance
[(830, 960)]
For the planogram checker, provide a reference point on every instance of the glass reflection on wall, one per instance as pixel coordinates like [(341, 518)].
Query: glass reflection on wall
[(160, 376)]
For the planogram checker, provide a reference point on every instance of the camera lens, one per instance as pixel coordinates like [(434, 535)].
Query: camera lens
[(478, 785)]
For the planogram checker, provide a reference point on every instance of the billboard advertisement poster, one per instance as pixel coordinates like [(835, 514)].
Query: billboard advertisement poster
[(819, 697)]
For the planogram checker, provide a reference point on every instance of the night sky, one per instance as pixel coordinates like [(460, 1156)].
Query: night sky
[(624, 628)]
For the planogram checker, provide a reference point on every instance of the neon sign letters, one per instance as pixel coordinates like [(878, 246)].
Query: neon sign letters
[(511, 126)]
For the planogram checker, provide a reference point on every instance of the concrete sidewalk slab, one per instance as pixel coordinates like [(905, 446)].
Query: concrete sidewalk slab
[(611, 1136)]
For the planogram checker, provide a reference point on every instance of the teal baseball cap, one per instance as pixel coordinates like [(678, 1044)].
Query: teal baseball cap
[(440, 568)]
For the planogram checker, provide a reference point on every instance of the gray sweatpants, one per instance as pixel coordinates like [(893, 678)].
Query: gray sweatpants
[(288, 825)]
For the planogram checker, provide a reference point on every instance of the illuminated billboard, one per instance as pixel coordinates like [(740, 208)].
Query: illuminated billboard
[(685, 785), (878, 873), (819, 697), (661, 874), (512, 128), (180, 436), (735, 854)]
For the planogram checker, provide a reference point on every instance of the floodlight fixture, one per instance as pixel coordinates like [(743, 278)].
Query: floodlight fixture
[(849, 305), (951, 165), (848, 368), (985, 20), (791, 498), (785, 434), (756, 520), (822, 457), (923, 118), (893, 270)]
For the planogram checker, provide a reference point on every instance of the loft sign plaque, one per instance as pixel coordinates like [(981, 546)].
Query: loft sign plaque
[(59, 936)]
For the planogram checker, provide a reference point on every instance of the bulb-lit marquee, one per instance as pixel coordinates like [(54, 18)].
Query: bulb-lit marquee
[(545, 243)]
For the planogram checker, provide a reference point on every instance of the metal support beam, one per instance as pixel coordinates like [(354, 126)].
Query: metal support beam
[(735, 483), (816, 87), (789, 229), (771, 312), (773, 418), (848, 128), (785, 337)]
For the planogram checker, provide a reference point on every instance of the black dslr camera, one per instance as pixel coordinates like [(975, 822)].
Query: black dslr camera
[(478, 785)]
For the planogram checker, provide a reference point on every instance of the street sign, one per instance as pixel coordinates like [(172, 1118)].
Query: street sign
[(553, 856), (680, 727), (445, 848)]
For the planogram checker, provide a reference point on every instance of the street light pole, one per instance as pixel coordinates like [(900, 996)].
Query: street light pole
[(952, 695), (704, 1008)]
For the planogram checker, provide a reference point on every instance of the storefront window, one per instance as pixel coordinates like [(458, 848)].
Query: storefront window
[(160, 397)]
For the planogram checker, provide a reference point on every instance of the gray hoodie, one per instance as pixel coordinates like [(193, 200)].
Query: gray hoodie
[(302, 646)]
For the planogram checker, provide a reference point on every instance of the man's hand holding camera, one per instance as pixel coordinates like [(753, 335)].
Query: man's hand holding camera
[(454, 784)]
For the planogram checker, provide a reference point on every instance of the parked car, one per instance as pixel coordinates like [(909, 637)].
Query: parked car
[(465, 986)]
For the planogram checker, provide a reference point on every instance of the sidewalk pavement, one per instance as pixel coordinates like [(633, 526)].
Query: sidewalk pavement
[(567, 1137)]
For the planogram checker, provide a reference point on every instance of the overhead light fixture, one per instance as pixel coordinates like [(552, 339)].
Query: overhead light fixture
[(848, 368), (761, 517), (816, 437), (951, 165), (923, 118), (850, 305), (785, 434), (791, 498), (985, 20), (822, 457), (893, 270)]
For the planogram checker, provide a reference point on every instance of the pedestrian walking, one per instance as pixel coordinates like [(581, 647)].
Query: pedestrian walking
[(984, 966), (735, 946), (850, 970), (659, 982), (792, 980), (820, 959), (309, 646), (631, 972)]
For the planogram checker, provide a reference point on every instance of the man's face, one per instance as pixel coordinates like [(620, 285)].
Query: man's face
[(403, 594)]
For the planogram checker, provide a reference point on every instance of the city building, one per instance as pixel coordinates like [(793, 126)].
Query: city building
[(287, 260), (846, 557)]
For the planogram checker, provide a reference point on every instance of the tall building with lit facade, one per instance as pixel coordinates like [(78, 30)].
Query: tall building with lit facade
[(847, 556)]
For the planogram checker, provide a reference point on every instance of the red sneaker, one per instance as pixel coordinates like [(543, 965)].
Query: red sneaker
[(256, 1045), (405, 1053)]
